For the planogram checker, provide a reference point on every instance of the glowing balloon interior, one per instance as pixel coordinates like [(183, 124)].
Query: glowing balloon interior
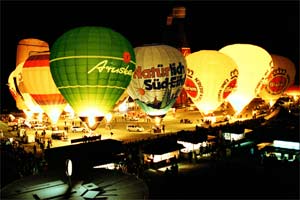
[(211, 77), (92, 67), (254, 63)]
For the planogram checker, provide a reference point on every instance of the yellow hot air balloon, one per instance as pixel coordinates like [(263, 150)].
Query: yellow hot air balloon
[(211, 77), (29, 101), (39, 83), (282, 76), (254, 63)]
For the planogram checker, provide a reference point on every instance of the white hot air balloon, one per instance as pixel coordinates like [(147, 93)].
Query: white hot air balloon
[(254, 63), (211, 77), (158, 78)]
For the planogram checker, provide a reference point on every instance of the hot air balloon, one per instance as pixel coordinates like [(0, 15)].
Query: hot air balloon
[(25, 48), (33, 107), (282, 76), (254, 63), (39, 83), (211, 77), (158, 78), (13, 89), (92, 67), (28, 46)]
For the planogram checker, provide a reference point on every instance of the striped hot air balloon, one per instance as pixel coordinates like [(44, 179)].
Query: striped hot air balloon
[(38, 81)]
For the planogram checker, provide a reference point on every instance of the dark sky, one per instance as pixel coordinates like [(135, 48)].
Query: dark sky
[(272, 25)]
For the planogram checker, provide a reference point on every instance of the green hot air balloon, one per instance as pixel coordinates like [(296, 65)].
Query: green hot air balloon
[(92, 67)]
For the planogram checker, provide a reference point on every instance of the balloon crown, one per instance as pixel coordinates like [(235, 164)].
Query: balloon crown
[(279, 71), (234, 73)]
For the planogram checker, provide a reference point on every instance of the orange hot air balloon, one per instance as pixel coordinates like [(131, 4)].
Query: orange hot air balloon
[(40, 84), (28, 46), (25, 48)]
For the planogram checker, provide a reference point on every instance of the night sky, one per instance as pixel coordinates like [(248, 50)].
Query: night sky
[(211, 25)]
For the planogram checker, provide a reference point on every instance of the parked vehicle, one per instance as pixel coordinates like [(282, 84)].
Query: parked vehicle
[(78, 129), (135, 128), (39, 127)]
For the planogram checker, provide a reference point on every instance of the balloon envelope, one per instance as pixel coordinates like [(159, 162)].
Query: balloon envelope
[(211, 77), (13, 89), (39, 83), (92, 67), (282, 76), (28, 46), (29, 101), (158, 78), (254, 63)]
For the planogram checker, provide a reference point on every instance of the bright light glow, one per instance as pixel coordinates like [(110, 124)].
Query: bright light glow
[(238, 101), (86, 110), (123, 107), (108, 117), (233, 136), (189, 146), (69, 167), (271, 102), (286, 144), (212, 119), (69, 110), (165, 156), (91, 121), (157, 120), (110, 166), (53, 114), (40, 117)]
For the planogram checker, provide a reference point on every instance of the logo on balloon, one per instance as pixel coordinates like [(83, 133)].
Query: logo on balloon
[(126, 57), (190, 88), (174, 76), (194, 88), (111, 69), (228, 85), (278, 81)]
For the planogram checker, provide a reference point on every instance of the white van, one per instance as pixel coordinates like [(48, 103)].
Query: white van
[(136, 128)]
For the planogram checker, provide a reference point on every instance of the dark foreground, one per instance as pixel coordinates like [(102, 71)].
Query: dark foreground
[(231, 179)]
